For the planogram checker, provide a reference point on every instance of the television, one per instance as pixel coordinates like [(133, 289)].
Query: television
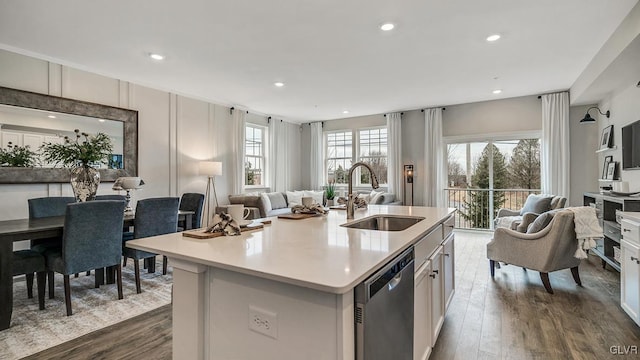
[(631, 146)]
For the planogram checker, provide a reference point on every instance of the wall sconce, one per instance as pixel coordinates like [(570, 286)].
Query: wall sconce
[(588, 119), (408, 179)]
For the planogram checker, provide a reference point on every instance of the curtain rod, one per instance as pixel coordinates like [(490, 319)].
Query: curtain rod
[(443, 109)]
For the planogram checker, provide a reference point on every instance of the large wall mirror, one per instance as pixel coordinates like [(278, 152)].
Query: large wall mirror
[(28, 118)]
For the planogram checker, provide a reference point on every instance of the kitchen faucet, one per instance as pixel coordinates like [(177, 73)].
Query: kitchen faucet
[(351, 206)]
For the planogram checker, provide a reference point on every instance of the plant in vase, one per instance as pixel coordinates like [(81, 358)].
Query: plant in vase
[(17, 156), (330, 192), (79, 154)]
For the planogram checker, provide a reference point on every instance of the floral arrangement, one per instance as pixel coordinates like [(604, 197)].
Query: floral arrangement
[(80, 151), (330, 190), (17, 156)]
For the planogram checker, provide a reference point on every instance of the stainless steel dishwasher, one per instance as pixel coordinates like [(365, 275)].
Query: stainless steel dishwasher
[(384, 312)]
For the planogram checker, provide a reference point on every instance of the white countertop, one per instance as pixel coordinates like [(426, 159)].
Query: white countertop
[(316, 252)]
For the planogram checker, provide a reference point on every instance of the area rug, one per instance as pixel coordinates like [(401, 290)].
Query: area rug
[(33, 330)]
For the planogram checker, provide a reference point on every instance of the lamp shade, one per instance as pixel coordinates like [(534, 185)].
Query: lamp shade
[(128, 183), (587, 119), (211, 168)]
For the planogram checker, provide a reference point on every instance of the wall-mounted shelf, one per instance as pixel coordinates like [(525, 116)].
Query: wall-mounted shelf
[(609, 180), (614, 147)]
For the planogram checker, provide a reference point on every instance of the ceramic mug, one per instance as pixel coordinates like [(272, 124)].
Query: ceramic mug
[(238, 212), (307, 201)]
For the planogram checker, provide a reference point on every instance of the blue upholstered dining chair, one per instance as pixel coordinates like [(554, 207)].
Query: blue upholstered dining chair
[(28, 262), (192, 202), (154, 216), (42, 208), (92, 239)]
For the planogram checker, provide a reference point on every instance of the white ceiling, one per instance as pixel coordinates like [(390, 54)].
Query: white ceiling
[(330, 54)]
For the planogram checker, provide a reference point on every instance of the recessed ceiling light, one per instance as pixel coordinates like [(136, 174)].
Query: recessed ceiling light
[(497, 91), (387, 27), (279, 84), (493, 37), (345, 111), (51, 116), (156, 56)]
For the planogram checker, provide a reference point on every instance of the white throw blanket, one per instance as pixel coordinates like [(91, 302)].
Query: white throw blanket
[(587, 229), (507, 221)]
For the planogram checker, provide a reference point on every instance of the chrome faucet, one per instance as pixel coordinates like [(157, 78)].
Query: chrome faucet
[(351, 206)]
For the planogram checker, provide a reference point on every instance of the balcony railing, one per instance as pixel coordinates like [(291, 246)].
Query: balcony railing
[(477, 208)]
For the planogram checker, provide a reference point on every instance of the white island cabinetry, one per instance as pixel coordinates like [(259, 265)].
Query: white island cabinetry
[(283, 292), (630, 265)]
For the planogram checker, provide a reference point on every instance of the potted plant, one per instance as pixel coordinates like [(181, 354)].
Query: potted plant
[(330, 192), (17, 156), (80, 154)]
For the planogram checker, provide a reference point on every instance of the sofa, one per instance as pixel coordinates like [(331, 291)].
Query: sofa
[(279, 203)]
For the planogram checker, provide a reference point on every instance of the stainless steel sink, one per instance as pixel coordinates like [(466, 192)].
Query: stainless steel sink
[(384, 222)]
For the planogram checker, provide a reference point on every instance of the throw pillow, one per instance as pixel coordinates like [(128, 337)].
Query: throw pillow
[(375, 197), (316, 195), (387, 198), (536, 204), (267, 202), (540, 222), (294, 198), (277, 200)]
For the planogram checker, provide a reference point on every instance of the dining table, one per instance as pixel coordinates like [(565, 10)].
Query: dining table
[(32, 229)]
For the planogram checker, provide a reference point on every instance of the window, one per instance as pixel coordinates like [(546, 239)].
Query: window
[(254, 155), (370, 146)]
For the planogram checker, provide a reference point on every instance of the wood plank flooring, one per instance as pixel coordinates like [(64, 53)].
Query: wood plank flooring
[(509, 317)]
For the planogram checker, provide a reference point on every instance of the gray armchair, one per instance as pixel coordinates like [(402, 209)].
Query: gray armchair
[(92, 239), (547, 250)]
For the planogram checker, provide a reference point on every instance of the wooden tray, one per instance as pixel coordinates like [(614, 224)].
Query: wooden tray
[(297, 216), (201, 234)]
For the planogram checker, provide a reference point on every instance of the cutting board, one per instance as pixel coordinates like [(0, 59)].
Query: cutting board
[(201, 234), (297, 216)]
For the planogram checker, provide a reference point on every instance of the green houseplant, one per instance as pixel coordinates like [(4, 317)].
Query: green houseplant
[(17, 156), (330, 192), (80, 154)]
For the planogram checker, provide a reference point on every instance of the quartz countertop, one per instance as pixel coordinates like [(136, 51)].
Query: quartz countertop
[(315, 253)]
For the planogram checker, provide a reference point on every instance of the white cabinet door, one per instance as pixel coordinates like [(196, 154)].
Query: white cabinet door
[(630, 280), (437, 303), (448, 271), (422, 313), (11, 137)]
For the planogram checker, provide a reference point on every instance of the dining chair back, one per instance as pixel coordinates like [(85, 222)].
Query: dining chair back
[(154, 216), (111, 197), (92, 239), (49, 206), (193, 202)]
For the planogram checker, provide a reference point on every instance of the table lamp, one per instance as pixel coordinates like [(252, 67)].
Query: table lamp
[(128, 184), (211, 169)]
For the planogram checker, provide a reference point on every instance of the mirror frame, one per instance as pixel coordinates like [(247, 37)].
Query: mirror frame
[(35, 175)]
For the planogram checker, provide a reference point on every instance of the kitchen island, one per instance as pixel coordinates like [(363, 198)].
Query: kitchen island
[(285, 291)]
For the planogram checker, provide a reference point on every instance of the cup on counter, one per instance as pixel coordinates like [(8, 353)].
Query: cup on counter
[(307, 201), (238, 212)]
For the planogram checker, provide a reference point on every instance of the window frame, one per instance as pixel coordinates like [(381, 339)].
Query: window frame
[(264, 157), (355, 154)]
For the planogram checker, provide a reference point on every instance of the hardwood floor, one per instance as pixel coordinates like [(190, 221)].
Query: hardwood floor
[(509, 317)]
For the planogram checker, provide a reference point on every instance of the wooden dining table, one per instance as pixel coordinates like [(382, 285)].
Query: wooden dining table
[(32, 229)]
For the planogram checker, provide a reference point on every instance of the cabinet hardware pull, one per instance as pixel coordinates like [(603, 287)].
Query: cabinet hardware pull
[(633, 258), (435, 271), (433, 276), (447, 254), (626, 230)]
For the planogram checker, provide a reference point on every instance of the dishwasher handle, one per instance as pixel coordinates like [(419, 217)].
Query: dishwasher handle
[(395, 281)]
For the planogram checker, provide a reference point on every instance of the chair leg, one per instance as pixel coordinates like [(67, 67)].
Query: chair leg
[(164, 265), (151, 266), (99, 277), (76, 275), (42, 279), (545, 281), (136, 266), (119, 281), (576, 275), (29, 277), (88, 273), (124, 263), (67, 294), (492, 267), (51, 276)]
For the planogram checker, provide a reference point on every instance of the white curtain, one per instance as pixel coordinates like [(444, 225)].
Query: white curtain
[(434, 169), (554, 154), (237, 168), (316, 165), (394, 155), (278, 156)]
